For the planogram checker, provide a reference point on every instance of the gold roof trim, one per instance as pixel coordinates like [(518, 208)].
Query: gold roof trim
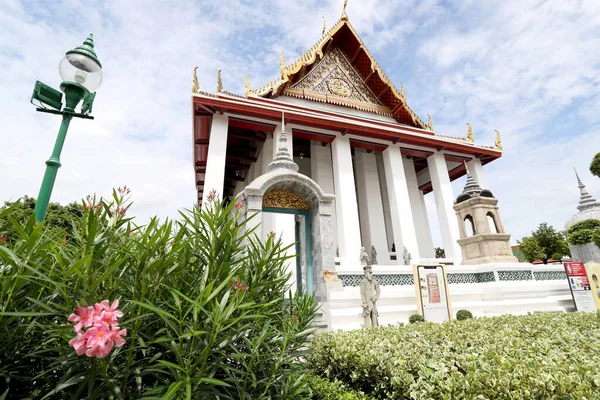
[(316, 52), (338, 100)]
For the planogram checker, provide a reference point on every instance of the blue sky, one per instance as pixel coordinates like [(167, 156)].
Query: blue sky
[(530, 69)]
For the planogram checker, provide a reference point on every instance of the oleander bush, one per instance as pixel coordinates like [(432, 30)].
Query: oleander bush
[(416, 318), (461, 315), (206, 311), (540, 356)]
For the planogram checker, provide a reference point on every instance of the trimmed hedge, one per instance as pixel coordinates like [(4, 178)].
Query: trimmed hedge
[(322, 389), (461, 315), (416, 318), (540, 356)]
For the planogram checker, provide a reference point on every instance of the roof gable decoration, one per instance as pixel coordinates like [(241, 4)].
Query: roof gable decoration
[(334, 80), (276, 87)]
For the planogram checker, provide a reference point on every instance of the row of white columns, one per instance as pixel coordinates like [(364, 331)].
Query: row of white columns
[(392, 194)]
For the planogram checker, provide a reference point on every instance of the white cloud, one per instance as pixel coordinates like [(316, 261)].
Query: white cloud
[(528, 68)]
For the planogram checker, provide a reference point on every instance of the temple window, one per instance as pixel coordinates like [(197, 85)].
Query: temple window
[(469, 226), (492, 223)]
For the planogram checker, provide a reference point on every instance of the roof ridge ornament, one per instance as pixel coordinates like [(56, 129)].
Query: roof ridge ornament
[(219, 82), (403, 93), (498, 143), (282, 65), (247, 87), (470, 136), (324, 26), (195, 85), (430, 123), (283, 159), (344, 15)]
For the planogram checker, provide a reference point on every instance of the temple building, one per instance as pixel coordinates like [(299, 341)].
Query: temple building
[(330, 156)]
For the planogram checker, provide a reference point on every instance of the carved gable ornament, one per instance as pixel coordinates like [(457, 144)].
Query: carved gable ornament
[(284, 199), (334, 76)]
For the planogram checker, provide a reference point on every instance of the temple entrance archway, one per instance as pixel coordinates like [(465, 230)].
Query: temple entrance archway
[(286, 192)]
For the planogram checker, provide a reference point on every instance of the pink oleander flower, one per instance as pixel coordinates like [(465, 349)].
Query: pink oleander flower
[(85, 318), (239, 205), (3, 239), (103, 333), (107, 313), (272, 234)]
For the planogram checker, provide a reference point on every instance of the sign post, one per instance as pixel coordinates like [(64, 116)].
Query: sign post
[(433, 296), (580, 286)]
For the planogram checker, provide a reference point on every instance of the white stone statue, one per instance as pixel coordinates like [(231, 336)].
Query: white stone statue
[(364, 257), (407, 257), (369, 294), (373, 255)]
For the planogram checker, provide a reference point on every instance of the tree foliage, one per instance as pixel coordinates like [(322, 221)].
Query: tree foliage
[(595, 165), (584, 232), (543, 244), (57, 216), (206, 306)]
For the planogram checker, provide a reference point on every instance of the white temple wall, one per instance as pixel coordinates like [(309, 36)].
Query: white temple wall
[(485, 290), (321, 168), (370, 205), (417, 204)]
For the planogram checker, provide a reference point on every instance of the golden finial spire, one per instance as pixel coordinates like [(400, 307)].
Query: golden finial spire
[(281, 63), (219, 82), (498, 140), (247, 88), (470, 133), (195, 86), (324, 26), (430, 123), (344, 15), (402, 93)]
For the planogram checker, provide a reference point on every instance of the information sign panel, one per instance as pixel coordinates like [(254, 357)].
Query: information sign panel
[(432, 293), (580, 286)]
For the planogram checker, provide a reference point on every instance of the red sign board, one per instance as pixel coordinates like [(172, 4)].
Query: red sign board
[(575, 269)]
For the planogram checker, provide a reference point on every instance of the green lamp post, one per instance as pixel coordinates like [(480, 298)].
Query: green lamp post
[(81, 73)]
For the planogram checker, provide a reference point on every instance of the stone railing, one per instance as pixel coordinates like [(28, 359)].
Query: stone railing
[(500, 273)]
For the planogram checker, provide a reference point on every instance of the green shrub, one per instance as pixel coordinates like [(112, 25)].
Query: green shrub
[(416, 318), (461, 315), (538, 356), (595, 165), (322, 389), (204, 304)]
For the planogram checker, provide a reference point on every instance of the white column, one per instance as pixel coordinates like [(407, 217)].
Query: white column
[(403, 224), (387, 215), (345, 203), (214, 178), (444, 201), (417, 204), (370, 205), (476, 170), (321, 171)]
